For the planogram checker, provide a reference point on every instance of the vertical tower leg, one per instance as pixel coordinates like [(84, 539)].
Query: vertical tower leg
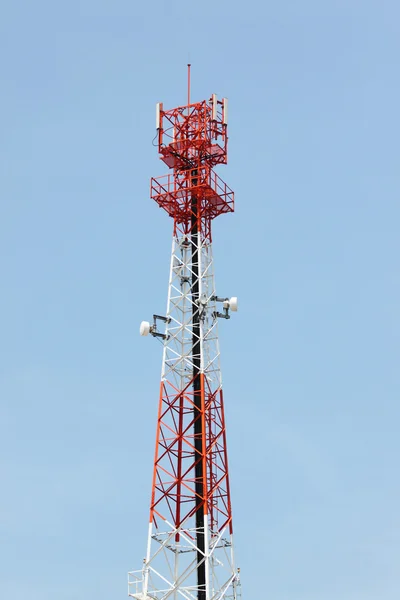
[(198, 409)]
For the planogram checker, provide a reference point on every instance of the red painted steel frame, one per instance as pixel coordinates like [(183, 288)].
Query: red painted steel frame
[(173, 477), (192, 140)]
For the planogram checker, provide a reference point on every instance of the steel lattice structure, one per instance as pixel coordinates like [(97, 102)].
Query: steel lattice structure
[(190, 541)]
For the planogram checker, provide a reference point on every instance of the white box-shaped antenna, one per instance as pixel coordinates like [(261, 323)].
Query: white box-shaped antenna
[(214, 107), (225, 111), (158, 114)]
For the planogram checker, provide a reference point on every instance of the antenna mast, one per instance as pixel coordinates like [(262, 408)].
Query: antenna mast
[(190, 541)]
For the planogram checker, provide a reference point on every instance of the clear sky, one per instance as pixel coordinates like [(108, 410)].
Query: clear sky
[(311, 360)]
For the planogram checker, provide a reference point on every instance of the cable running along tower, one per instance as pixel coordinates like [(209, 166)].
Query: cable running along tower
[(190, 541)]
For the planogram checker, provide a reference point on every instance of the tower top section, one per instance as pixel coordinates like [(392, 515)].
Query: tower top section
[(192, 139), (193, 134)]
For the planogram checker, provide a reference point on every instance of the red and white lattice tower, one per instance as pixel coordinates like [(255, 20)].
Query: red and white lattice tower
[(190, 545)]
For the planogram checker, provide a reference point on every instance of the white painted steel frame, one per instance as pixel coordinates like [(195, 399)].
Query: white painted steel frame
[(170, 567)]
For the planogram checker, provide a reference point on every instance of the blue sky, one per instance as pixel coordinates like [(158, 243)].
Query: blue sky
[(310, 363)]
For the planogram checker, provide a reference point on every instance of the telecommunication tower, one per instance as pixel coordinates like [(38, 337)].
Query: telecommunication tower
[(190, 552)]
